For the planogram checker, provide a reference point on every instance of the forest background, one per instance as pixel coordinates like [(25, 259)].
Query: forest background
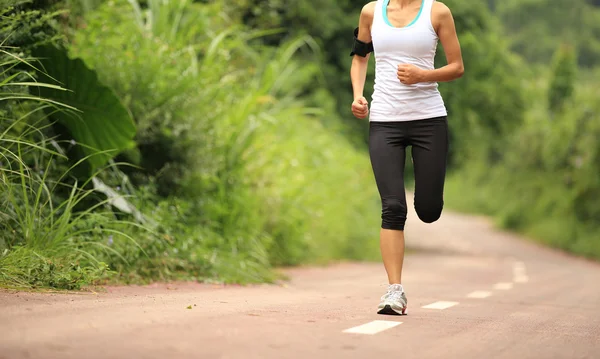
[(145, 140)]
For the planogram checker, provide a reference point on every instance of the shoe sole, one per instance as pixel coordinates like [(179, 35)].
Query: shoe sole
[(388, 310)]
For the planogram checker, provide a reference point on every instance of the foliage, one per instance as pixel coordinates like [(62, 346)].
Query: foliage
[(25, 25), (537, 28), (544, 182), (169, 133), (97, 120), (331, 25), (485, 103), (562, 84), (43, 237), (220, 127), (548, 178)]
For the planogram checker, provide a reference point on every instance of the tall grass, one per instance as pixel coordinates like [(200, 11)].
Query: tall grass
[(45, 236)]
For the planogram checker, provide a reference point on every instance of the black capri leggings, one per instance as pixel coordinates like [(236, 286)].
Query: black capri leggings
[(387, 145)]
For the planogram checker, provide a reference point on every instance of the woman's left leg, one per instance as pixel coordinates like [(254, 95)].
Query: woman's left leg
[(429, 140)]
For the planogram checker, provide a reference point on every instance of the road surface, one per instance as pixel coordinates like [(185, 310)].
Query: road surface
[(473, 292)]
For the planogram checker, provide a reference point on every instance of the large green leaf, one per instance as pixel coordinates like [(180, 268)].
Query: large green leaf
[(103, 126)]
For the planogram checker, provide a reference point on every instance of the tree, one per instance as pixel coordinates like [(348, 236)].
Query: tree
[(562, 83), (536, 27), (487, 103)]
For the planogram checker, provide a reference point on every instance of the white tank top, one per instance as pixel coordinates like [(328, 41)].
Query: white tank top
[(414, 44)]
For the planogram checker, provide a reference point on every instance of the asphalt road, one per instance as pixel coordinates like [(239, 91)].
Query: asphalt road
[(473, 292)]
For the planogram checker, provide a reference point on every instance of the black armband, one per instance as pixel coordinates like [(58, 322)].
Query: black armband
[(360, 48)]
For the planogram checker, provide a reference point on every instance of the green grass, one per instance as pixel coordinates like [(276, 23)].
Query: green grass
[(45, 238)]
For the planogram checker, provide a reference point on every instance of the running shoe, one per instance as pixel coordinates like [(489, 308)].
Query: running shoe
[(394, 302)]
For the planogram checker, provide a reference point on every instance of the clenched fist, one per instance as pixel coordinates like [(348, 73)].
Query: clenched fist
[(410, 74), (360, 107)]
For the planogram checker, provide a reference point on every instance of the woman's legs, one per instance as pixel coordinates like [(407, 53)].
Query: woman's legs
[(387, 148)]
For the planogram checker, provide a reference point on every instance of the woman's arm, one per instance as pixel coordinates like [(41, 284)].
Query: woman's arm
[(358, 70), (443, 23)]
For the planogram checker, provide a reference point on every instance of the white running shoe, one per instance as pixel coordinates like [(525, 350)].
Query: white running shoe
[(394, 302)]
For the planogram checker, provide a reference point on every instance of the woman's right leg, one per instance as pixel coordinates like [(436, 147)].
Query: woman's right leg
[(387, 144)]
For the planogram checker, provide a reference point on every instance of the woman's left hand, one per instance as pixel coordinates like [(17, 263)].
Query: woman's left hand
[(410, 74)]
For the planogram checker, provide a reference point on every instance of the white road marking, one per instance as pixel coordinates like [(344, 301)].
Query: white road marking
[(519, 273), (440, 305), (479, 294), (519, 265), (521, 279), (373, 327), (503, 286)]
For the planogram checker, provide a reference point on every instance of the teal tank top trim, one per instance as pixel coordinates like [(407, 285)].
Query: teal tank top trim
[(385, 16)]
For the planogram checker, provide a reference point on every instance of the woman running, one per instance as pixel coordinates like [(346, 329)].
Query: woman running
[(407, 110)]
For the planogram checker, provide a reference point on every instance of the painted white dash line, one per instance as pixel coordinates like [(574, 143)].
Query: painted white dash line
[(519, 273), (440, 305), (519, 266), (373, 327), (521, 279), (503, 286), (479, 294)]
